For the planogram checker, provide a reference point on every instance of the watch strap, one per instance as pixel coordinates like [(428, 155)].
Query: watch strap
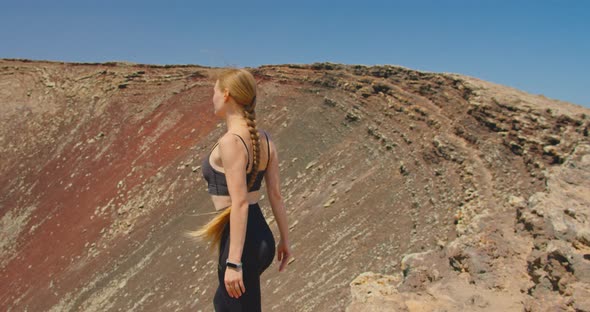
[(233, 265)]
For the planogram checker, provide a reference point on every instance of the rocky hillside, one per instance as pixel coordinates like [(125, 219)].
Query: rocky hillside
[(405, 190)]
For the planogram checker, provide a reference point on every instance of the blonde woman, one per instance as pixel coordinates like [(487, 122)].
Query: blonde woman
[(234, 170)]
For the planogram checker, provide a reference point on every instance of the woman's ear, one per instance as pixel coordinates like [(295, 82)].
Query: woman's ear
[(225, 95)]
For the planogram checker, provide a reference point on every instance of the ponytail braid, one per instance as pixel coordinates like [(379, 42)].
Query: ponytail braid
[(250, 116)]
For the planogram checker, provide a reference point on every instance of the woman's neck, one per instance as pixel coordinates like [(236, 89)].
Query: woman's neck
[(234, 122)]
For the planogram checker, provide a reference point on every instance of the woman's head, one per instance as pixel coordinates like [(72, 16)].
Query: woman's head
[(235, 84)]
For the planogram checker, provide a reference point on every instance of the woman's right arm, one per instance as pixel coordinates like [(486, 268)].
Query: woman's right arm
[(273, 190)]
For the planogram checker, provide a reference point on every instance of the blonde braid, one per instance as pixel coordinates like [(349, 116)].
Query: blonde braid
[(250, 116)]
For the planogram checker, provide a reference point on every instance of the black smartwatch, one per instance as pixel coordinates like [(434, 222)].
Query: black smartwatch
[(236, 266)]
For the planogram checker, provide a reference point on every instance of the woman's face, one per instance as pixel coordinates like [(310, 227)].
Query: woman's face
[(218, 100)]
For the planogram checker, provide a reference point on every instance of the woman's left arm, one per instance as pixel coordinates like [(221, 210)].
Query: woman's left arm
[(233, 157)]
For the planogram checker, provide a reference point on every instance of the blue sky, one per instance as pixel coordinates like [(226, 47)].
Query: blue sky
[(541, 47)]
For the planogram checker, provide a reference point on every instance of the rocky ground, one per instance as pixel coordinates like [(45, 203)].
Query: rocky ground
[(405, 190), (522, 253)]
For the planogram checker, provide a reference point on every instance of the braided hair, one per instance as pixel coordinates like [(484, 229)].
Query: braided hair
[(250, 116)]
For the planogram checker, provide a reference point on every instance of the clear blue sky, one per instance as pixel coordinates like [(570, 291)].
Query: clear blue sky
[(542, 47)]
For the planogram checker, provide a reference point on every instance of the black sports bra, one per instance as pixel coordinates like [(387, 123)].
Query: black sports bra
[(216, 182)]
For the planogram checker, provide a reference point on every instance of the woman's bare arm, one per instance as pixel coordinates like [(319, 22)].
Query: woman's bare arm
[(273, 190), (233, 157)]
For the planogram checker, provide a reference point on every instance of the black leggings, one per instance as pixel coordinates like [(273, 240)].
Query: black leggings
[(257, 255)]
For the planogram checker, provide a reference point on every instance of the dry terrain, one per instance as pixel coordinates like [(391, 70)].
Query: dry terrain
[(405, 190)]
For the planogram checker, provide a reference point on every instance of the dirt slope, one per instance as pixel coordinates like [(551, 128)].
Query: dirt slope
[(100, 175)]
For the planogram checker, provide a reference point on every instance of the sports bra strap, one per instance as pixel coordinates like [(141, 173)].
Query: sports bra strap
[(268, 149)]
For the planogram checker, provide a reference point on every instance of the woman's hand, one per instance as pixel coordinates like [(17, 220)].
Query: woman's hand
[(283, 254), (234, 282)]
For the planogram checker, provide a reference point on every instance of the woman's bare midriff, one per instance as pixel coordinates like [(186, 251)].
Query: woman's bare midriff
[(223, 201)]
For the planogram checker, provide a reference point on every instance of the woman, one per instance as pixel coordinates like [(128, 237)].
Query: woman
[(234, 173)]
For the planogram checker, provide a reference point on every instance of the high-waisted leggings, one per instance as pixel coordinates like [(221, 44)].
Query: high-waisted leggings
[(257, 256)]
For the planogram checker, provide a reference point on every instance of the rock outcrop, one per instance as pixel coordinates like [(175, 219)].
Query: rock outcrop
[(524, 254)]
